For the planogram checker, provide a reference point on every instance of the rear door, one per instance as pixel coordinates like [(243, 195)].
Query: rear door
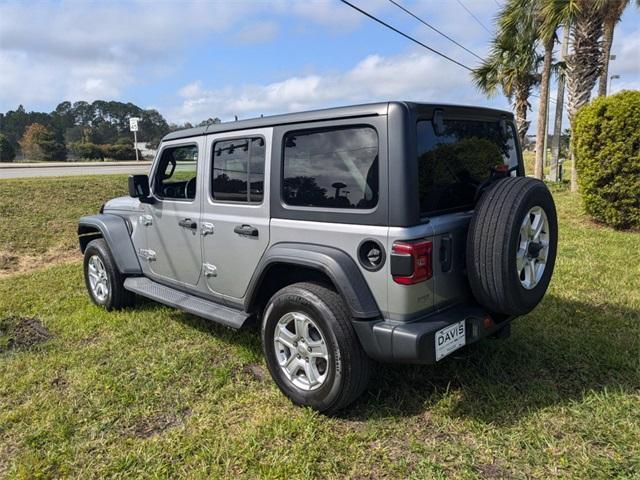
[(235, 211), (173, 242)]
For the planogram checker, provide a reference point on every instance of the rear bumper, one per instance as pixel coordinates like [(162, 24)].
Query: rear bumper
[(414, 342)]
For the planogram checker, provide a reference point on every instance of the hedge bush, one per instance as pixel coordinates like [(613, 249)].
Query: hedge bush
[(92, 151), (607, 152), (89, 151)]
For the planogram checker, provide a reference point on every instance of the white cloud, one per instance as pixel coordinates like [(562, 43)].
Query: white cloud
[(626, 48), (409, 76), (70, 50), (29, 79), (259, 32)]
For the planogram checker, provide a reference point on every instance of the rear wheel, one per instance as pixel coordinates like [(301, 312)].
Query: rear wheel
[(511, 246), (312, 351), (104, 282)]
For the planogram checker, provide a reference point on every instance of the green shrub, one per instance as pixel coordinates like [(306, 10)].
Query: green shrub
[(607, 151), (89, 151), (7, 152), (119, 151), (52, 150)]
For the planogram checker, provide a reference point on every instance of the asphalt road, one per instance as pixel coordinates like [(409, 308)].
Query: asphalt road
[(55, 170)]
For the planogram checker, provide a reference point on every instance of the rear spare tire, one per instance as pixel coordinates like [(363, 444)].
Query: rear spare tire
[(511, 245)]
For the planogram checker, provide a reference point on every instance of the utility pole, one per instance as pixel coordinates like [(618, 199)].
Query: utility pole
[(557, 124), (611, 79)]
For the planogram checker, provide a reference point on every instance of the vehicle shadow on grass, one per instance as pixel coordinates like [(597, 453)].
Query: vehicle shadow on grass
[(555, 355)]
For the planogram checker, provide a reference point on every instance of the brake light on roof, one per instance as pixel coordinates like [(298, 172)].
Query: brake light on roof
[(411, 262)]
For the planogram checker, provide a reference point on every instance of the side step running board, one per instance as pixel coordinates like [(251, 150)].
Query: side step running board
[(184, 301)]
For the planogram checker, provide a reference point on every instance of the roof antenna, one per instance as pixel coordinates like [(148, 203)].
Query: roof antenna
[(262, 115), (236, 117)]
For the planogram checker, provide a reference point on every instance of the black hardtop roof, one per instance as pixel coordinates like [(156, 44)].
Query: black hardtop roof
[(367, 109)]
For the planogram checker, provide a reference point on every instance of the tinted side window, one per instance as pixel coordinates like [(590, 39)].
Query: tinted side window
[(236, 164), (176, 173), (452, 163), (332, 168)]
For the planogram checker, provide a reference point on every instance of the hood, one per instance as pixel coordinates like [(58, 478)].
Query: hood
[(122, 204)]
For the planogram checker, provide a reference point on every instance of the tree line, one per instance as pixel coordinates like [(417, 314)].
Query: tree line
[(521, 58), (96, 130)]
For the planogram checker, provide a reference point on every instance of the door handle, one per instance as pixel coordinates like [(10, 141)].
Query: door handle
[(246, 230), (188, 223)]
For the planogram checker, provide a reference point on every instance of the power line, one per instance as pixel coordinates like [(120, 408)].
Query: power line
[(406, 10), (474, 17), (405, 35), (372, 17)]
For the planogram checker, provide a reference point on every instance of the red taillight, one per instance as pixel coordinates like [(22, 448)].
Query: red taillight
[(414, 262)]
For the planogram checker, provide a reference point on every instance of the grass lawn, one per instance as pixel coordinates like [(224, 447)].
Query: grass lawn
[(153, 392), (39, 216)]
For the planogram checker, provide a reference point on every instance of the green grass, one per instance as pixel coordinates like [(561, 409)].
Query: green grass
[(152, 392), (39, 214)]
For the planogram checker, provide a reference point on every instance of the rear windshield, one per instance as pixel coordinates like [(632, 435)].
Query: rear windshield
[(453, 162)]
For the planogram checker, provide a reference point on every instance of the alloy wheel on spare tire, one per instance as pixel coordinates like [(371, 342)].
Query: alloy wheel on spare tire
[(511, 245)]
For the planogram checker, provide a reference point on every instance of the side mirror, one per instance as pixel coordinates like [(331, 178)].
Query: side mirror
[(139, 188)]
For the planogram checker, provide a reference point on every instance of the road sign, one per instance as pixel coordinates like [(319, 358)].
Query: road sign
[(133, 126)]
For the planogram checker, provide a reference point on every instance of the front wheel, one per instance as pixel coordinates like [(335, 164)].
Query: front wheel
[(104, 282), (312, 351)]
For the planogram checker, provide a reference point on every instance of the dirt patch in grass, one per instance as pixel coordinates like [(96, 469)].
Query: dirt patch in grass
[(257, 372), (21, 332), (151, 426), (11, 264), (493, 471)]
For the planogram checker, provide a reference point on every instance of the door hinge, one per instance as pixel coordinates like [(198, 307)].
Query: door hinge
[(210, 270), (147, 254), (206, 228), (146, 220)]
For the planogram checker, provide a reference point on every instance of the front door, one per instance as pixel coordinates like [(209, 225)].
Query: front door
[(235, 214), (173, 221)]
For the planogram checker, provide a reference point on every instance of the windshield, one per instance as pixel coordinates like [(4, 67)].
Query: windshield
[(458, 156)]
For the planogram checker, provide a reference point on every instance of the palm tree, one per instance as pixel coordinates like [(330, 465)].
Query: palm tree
[(512, 64), (582, 64), (547, 32), (517, 11), (612, 14)]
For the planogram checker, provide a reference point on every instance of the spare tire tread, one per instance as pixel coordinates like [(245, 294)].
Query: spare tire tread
[(491, 245)]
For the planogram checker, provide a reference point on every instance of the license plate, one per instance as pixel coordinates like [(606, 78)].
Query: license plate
[(450, 339)]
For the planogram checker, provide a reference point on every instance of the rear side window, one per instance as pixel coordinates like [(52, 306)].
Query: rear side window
[(331, 168), (456, 159), (238, 170)]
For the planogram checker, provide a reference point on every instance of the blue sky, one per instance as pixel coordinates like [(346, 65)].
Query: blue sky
[(193, 60)]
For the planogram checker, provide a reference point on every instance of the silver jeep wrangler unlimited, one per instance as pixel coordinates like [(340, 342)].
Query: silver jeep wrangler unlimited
[(393, 232)]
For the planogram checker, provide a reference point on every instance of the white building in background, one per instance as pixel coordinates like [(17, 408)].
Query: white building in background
[(146, 151)]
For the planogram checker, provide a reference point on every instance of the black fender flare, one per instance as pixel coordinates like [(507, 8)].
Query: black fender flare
[(115, 232), (336, 264)]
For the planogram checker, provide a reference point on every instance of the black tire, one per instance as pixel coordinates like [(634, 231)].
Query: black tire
[(348, 366), (117, 297), (493, 242)]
